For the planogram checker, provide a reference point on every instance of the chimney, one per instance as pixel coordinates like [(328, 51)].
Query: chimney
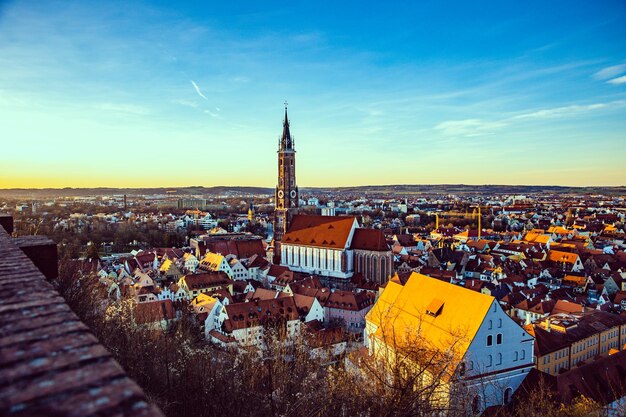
[(548, 328)]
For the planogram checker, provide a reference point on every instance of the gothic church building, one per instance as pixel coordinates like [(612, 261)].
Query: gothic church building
[(330, 246)]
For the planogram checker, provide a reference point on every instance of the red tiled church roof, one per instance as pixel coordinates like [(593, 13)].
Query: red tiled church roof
[(369, 239), (321, 231)]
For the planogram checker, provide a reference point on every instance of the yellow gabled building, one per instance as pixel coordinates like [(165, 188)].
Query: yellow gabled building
[(477, 345), (215, 262), (170, 271)]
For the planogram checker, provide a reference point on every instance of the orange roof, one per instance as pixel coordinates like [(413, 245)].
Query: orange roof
[(564, 306), (566, 257), (536, 237), (559, 230), (321, 231), (574, 280)]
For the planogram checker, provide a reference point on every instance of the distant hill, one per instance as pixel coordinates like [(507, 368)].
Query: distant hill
[(102, 191), (389, 190), (407, 189)]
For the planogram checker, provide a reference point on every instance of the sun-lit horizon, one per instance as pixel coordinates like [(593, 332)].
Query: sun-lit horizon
[(153, 94)]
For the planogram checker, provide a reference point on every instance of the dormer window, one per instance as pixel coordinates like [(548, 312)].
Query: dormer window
[(435, 307)]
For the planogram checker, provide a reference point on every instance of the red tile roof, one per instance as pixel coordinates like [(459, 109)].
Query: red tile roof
[(242, 249), (369, 239), (255, 313), (321, 231), (207, 279), (348, 300), (154, 311)]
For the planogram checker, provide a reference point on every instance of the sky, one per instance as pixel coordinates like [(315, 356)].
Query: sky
[(164, 94)]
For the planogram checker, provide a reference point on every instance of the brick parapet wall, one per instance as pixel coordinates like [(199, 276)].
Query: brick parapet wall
[(50, 363)]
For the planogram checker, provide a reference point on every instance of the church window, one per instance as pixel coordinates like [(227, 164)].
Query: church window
[(507, 395), (476, 404), (375, 268)]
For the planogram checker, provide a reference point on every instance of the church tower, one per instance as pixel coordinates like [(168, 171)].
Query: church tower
[(286, 196)]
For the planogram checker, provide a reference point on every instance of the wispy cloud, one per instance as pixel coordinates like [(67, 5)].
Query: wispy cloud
[(610, 72), (479, 127), (187, 103), (123, 108), (469, 127), (212, 114), (565, 110), (618, 80), (240, 79), (195, 86)]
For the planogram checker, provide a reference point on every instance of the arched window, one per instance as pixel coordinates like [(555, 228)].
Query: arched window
[(383, 270), (489, 340), (375, 268), (508, 393), (516, 356), (490, 325), (499, 339), (499, 362), (490, 361), (476, 404)]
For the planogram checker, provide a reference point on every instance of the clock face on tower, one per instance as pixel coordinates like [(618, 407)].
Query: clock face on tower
[(293, 193), (281, 194)]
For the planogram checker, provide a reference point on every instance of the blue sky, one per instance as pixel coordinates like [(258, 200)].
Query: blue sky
[(161, 94)]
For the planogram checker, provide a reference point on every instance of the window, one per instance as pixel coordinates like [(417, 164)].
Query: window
[(476, 404), (490, 325), (489, 340), (490, 361), (499, 339), (499, 362), (508, 393), (523, 354), (499, 323), (516, 356)]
